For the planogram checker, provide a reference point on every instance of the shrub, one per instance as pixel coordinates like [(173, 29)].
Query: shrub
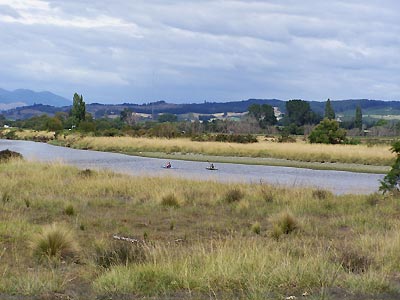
[(6, 155), (328, 132), (391, 180), (55, 241), (233, 195), (119, 253), (228, 138)]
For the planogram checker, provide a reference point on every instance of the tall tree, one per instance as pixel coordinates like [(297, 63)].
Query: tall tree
[(78, 111), (358, 118), (264, 114), (299, 113), (329, 112)]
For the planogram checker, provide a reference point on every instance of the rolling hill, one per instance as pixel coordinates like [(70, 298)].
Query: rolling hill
[(25, 97)]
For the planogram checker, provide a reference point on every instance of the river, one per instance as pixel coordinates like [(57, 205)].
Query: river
[(339, 182)]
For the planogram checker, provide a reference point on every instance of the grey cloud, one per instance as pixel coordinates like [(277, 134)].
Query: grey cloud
[(6, 10), (205, 50)]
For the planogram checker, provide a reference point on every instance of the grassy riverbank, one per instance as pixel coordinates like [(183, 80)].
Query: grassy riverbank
[(196, 240), (356, 158)]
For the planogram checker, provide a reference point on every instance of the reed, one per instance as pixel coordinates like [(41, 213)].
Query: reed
[(299, 151)]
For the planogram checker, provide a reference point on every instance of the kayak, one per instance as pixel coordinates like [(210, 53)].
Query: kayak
[(211, 169)]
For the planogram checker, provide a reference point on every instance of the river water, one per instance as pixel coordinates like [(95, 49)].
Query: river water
[(339, 182)]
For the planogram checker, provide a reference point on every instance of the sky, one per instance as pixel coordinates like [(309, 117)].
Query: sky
[(185, 51)]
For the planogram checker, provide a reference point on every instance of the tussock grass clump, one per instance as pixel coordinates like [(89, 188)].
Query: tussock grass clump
[(267, 195), (233, 195), (352, 260), (7, 154), (6, 197), (243, 206), (86, 173), (170, 200), (119, 253), (285, 223), (55, 241), (142, 280), (69, 210), (256, 228), (373, 199), (321, 194)]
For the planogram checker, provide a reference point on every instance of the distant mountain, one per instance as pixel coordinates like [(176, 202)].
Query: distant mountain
[(24, 97)]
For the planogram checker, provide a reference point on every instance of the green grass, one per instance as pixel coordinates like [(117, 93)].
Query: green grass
[(207, 239)]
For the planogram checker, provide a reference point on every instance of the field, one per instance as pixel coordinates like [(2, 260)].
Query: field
[(193, 240), (377, 155)]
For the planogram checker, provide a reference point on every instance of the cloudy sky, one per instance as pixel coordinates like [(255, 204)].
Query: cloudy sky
[(195, 50)]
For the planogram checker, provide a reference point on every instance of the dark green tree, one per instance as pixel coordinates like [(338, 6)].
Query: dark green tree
[(328, 132), (54, 124), (358, 118), (264, 114), (392, 178), (167, 117), (298, 112), (124, 114), (329, 112), (78, 111)]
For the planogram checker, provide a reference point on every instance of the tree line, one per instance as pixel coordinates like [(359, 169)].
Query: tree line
[(298, 119)]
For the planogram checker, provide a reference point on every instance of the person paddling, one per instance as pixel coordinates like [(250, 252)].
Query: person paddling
[(168, 165)]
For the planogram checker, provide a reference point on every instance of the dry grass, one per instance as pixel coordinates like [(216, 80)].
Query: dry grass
[(27, 134), (205, 246), (300, 151)]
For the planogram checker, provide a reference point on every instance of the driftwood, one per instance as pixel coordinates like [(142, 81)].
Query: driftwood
[(136, 241), (126, 239)]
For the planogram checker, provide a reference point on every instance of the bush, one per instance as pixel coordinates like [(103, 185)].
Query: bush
[(233, 195), (228, 138), (391, 180), (6, 155), (328, 132), (55, 241)]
